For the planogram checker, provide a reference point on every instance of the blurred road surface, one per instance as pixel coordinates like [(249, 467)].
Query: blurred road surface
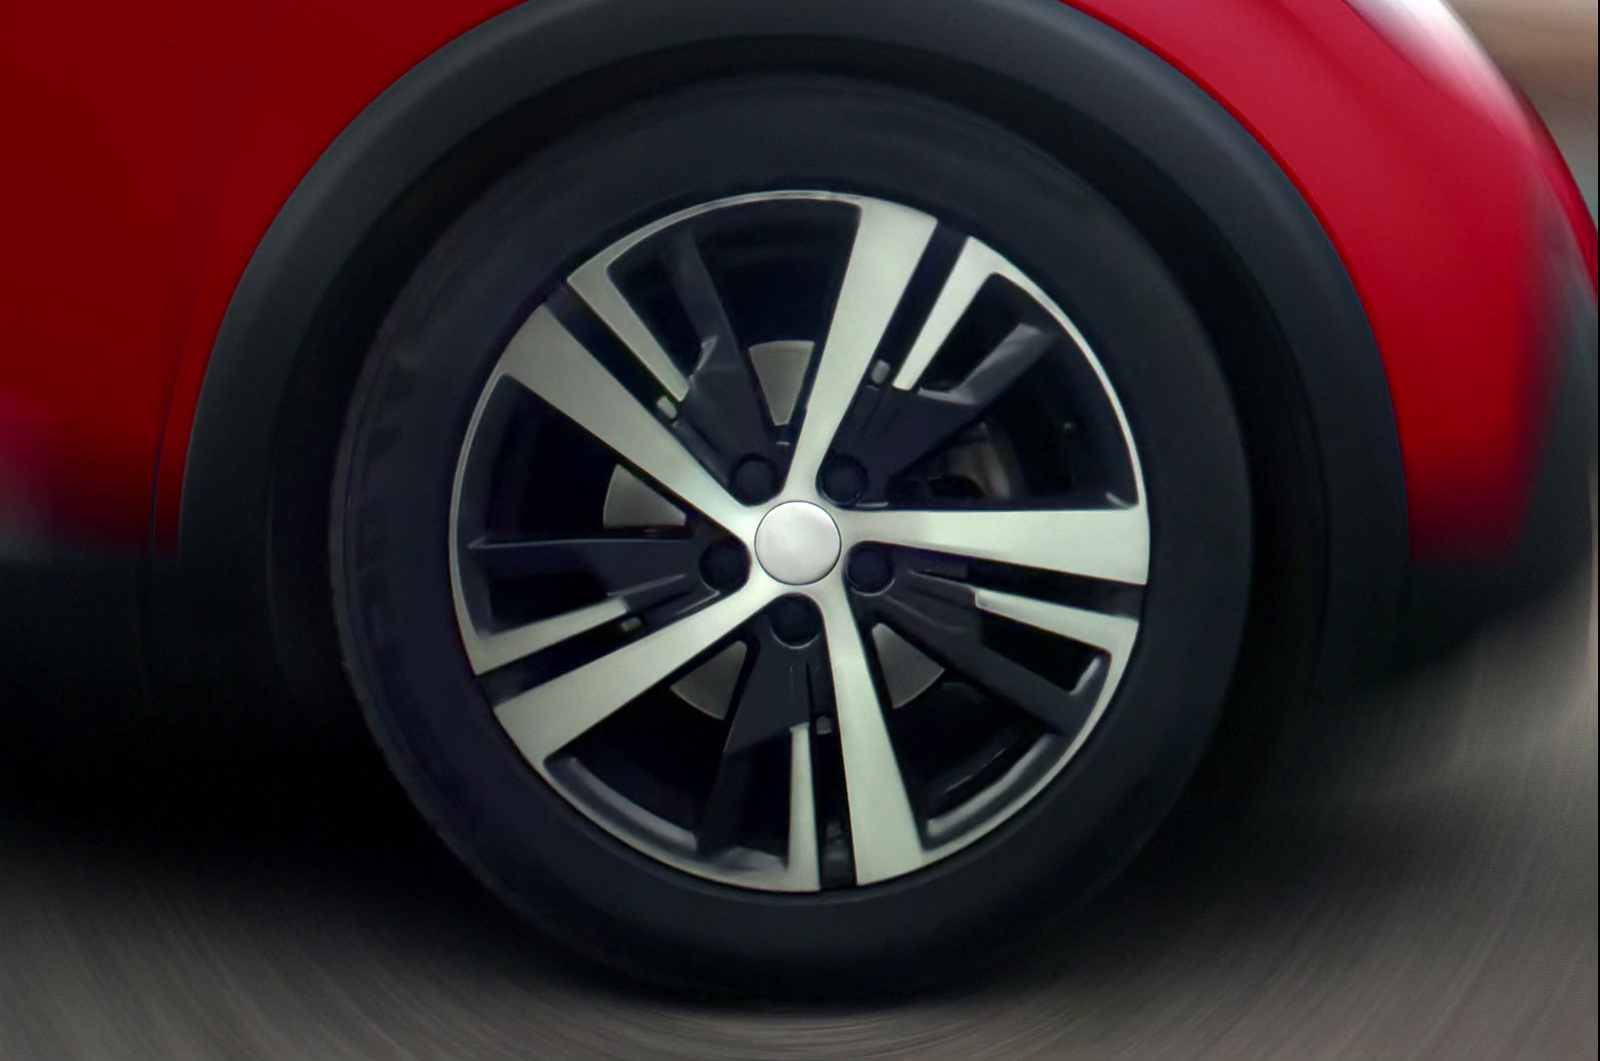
[(1424, 885)]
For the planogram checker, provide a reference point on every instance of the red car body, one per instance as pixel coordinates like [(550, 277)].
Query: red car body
[(157, 150), (151, 145)]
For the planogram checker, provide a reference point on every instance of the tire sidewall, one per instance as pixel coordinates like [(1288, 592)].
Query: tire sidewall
[(424, 376)]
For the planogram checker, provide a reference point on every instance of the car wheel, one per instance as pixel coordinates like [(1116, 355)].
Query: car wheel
[(792, 535)]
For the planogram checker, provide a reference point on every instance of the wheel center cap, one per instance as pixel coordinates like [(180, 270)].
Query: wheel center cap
[(797, 543)]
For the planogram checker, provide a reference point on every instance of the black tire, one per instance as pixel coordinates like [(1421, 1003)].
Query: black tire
[(392, 499)]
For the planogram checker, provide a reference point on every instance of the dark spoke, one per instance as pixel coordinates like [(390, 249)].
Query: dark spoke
[(889, 242), (635, 576), (781, 688), (724, 810), (548, 717), (619, 563), (721, 404), (888, 429), (943, 619), (546, 359)]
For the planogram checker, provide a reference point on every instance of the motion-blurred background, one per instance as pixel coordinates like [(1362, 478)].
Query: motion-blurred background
[(1423, 885), (1548, 48)]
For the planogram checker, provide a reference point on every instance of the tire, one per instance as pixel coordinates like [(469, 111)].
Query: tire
[(398, 501)]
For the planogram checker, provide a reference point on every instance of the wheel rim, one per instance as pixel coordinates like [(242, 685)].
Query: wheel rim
[(798, 540)]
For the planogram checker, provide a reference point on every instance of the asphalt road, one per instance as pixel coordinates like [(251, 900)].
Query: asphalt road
[(1423, 885)]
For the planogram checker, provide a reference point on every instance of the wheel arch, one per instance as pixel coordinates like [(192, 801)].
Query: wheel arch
[(1246, 248)]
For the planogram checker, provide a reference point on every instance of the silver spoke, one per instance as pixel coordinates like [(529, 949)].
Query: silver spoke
[(804, 872), (889, 242), (593, 284), (548, 717), (1113, 634), (486, 652), (1109, 544), (545, 358), (883, 828), (975, 264)]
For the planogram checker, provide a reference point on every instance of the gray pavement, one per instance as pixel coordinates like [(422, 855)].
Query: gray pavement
[(1424, 886)]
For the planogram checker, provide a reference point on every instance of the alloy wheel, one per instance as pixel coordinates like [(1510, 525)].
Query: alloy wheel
[(798, 540)]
